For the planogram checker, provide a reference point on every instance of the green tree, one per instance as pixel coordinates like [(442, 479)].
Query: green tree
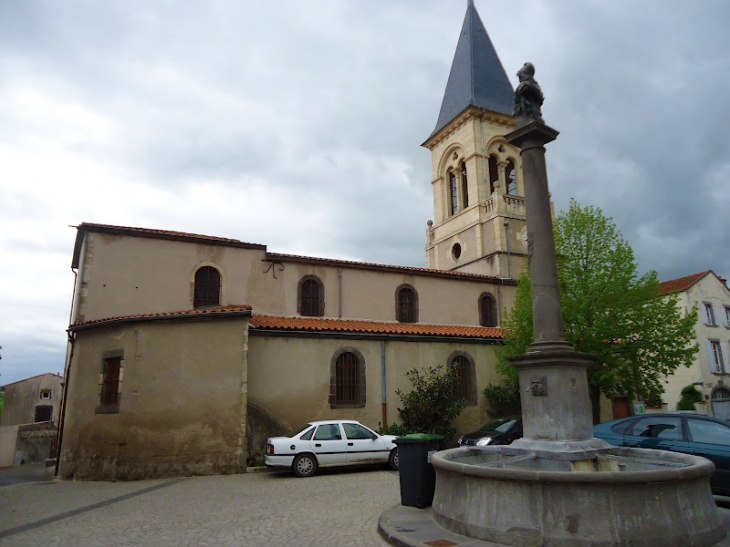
[(638, 335), (432, 404)]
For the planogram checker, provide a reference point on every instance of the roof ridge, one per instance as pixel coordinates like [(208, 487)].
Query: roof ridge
[(231, 309)]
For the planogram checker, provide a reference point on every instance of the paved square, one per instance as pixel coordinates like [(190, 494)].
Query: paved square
[(333, 508)]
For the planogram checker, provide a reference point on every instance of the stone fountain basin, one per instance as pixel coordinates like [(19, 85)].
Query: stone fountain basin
[(611, 497)]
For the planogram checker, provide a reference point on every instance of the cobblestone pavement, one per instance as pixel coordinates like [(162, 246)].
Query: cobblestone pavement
[(333, 508)]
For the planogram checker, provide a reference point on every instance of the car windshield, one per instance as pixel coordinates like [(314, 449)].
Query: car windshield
[(499, 424)]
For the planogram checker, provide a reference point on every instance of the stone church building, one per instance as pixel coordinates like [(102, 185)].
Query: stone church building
[(186, 351)]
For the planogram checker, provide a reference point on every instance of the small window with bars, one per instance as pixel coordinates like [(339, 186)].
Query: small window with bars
[(207, 291), (111, 376), (406, 304), (347, 379), (463, 364), (311, 296), (487, 310)]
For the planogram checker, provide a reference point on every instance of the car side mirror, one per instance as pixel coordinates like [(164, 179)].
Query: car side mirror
[(373, 436)]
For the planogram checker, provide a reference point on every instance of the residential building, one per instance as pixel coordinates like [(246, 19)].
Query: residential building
[(35, 399), (707, 295)]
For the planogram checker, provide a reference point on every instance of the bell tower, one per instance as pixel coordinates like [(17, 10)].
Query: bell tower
[(478, 194)]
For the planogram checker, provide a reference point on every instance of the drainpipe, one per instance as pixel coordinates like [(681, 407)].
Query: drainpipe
[(339, 292), (382, 381), (70, 348)]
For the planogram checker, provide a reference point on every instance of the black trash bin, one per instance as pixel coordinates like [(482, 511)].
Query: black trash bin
[(417, 476)]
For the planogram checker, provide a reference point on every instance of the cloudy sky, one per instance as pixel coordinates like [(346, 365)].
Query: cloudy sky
[(297, 124)]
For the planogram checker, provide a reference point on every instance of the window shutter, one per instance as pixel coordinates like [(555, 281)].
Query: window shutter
[(724, 313), (711, 356), (725, 357), (703, 311)]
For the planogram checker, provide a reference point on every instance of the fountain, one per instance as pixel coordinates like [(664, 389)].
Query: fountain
[(558, 485)]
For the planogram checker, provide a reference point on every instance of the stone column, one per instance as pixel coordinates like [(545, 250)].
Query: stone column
[(556, 408)]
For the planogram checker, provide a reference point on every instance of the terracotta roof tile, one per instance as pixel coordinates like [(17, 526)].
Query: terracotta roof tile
[(153, 231), (213, 312), (281, 257), (682, 283), (319, 324)]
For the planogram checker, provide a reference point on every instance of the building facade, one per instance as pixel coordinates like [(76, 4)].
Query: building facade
[(707, 295), (187, 351), (33, 400)]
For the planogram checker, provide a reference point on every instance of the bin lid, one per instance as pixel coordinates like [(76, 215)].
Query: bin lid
[(418, 437)]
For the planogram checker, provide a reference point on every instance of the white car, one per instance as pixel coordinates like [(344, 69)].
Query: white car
[(328, 444)]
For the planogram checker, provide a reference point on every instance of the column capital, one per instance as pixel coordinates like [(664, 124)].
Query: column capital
[(533, 131)]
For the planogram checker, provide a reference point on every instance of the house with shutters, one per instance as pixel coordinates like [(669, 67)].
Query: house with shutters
[(708, 294), (187, 351)]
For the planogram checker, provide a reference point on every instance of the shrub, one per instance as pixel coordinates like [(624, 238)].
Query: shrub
[(433, 403), (690, 395), (504, 399)]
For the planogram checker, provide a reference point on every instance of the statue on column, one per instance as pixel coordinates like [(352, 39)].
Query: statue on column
[(528, 95)]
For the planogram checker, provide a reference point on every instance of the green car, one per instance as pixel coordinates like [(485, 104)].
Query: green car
[(678, 432)]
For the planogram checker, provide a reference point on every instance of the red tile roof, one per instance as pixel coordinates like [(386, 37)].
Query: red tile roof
[(318, 324), (681, 284), (225, 311), (32, 377), (279, 257)]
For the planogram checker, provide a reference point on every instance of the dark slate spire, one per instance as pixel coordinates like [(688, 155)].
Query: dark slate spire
[(477, 77)]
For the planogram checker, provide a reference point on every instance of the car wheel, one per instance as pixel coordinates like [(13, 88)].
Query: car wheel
[(305, 465), (393, 459)]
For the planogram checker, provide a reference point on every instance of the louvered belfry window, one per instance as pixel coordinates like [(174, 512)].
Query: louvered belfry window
[(454, 193), (464, 186), (347, 379), (207, 291)]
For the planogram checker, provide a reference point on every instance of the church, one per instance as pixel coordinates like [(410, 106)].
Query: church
[(187, 351)]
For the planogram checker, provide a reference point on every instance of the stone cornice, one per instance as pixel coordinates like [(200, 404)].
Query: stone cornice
[(466, 115)]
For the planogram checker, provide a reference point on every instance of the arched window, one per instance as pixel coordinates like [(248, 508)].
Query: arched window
[(493, 173), (311, 296), (487, 310), (454, 202), (466, 376), (511, 178), (464, 186), (207, 290), (347, 379), (406, 304)]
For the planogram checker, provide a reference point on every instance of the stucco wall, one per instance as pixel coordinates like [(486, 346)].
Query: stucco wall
[(21, 398), (130, 275), (290, 377), (8, 440), (183, 401), (125, 275)]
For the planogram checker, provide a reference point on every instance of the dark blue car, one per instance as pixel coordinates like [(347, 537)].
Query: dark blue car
[(687, 433)]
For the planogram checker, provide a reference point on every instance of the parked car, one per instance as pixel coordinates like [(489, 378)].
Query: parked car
[(328, 444), (498, 431), (679, 432)]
